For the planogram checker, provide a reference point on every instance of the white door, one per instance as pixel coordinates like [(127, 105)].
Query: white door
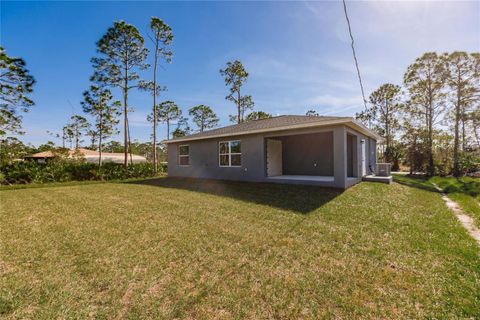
[(364, 161), (274, 157)]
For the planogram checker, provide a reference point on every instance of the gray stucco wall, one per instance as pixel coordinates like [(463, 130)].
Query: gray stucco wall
[(351, 148), (204, 162), (308, 154)]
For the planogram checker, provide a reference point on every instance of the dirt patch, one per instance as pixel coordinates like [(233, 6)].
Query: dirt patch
[(466, 221)]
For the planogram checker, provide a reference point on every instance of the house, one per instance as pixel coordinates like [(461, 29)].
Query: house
[(326, 151), (87, 155)]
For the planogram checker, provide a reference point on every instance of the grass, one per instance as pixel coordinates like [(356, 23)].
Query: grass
[(465, 191), (172, 248), (4, 187)]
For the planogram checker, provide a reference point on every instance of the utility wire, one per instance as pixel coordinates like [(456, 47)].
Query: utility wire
[(354, 55)]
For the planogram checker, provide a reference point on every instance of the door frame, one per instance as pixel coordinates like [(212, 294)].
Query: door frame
[(363, 157), (279, 164)]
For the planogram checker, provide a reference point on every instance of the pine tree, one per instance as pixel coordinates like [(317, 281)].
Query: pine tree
[(235, 76), (425, 81), (162, 38), (203, 117), (16, 84), (122, 55), (99, 104)]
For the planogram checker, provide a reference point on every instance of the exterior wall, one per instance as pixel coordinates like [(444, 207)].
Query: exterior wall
[(340, 157), (370, 156), (308, 154), (351, 155), (204, 159)]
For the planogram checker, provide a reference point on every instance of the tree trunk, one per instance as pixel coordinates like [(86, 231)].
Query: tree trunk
[(100, 140), (155, 108), (129, 142), (76, 137), (125, 111), (239, 107), (456, 143), (431, 167), (387, 127), (125, 127), (168, 128)]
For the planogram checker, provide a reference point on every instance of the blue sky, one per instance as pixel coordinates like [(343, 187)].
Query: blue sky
[(297, 53)]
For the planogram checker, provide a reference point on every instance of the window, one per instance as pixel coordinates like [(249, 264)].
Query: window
[(184, 155), (230, 154)]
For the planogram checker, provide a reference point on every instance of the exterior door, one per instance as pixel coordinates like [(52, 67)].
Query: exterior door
[(364, 160), (274, 158)]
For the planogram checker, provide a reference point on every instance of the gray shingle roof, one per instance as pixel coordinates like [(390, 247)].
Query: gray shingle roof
[(280, 122)]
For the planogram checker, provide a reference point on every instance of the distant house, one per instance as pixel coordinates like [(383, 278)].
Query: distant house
[(88, 155), (326, 151)]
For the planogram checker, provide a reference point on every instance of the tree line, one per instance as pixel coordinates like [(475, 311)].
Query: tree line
[(121, 55), (432, 121)]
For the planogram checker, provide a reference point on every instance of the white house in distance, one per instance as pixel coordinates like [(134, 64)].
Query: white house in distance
[(89, 156)]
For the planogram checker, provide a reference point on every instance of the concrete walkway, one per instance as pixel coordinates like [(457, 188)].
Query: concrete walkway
[(466, 221)]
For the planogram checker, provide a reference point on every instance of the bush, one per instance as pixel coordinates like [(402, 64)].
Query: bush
[(68, 170), (469, 162)]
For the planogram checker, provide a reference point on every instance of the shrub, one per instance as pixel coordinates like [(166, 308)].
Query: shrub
[(469, 162), (70, 170)]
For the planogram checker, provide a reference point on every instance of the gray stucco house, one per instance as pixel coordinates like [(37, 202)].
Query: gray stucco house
[(327, 151)]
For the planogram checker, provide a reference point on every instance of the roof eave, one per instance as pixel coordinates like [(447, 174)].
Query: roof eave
[(358, 126), (363, 129)]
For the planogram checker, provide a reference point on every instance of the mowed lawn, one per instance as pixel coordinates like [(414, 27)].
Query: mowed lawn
[(465, 190), (171, 248)]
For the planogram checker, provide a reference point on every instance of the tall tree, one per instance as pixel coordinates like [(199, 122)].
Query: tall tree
[(203, 117), (383, 112), (162, 38), (257, 115), (425, 81), (93, 134), (235, 76), (12, 148), (49, 146), (122, 54), (473, 119), (78, 127), (16, 84), (182, 129), (312, 113), (63, 135), (167, 111), (98, 102), (464, 92)]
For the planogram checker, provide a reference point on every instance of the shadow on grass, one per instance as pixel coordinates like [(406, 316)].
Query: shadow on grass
[(417, 181), (297, 198), (468, 187)]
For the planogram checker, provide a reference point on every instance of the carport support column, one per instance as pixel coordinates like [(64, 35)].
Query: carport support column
[(340, 156)]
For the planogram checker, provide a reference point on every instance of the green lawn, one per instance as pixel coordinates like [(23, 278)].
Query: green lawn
[(171, 248), (465, 191)]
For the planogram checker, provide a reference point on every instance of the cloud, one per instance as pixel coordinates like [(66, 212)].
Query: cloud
[(335, 105)]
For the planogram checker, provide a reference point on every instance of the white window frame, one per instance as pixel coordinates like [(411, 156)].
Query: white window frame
[(229, 154), (183, 155)]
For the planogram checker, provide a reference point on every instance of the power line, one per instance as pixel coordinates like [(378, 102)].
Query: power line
[(354, 55)]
